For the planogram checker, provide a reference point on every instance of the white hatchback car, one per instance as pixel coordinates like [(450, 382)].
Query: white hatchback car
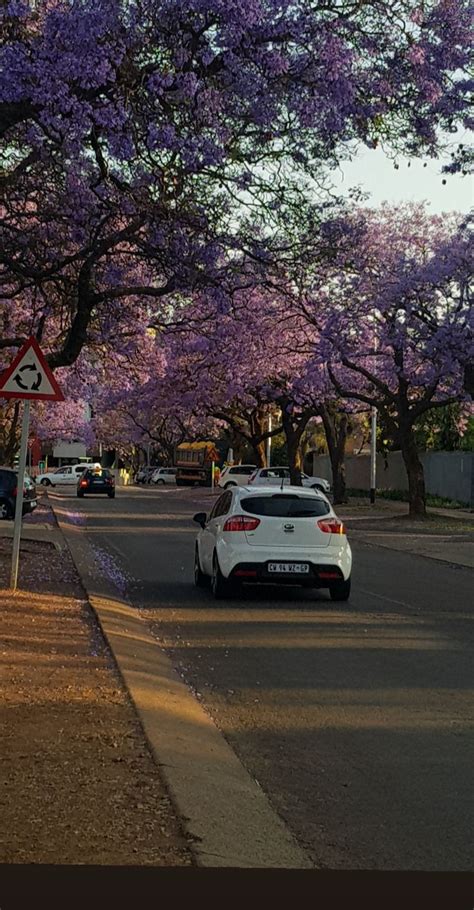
[(236, 475), (272, 536), (271, 476), (164, 475), (69, 474)]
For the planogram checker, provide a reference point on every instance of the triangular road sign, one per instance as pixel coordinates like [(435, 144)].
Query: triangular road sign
[(29, 376)]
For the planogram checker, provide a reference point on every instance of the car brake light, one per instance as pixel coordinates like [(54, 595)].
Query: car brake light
[(241, 523), (14, 491), (331, 526), (84, 483)]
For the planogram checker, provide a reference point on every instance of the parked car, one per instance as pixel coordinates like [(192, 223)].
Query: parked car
[(164, 475), (68, 474), (96, 481), (267, 535), (272, 476), (145, 473), (236, 475), (8, 493)]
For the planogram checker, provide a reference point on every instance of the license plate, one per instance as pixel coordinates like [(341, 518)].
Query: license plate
[(96, 481), (288, 568)]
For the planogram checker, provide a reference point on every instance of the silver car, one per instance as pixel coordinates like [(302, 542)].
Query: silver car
[(281, 475)]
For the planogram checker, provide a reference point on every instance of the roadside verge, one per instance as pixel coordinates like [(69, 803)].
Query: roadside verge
[(224, 811)]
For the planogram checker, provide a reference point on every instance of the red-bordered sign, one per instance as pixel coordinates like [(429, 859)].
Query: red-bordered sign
[(29, 376)]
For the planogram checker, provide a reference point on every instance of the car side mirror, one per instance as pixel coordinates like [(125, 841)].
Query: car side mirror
[(200, 518)]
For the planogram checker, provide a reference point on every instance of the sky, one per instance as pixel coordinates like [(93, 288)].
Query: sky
[(375, 173)]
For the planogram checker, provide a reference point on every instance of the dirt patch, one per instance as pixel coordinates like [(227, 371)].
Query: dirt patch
[(79, 782)]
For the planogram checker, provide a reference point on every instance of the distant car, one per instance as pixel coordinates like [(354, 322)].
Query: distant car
[(144, 474), (68, 474), (8, 493), (96, 481), (164, 475), (273, 536), (272, 476), (236, 475)]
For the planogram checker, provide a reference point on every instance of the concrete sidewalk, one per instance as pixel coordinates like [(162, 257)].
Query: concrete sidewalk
[(443, 548)]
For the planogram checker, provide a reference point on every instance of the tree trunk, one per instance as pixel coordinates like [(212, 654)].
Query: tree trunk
[(415, 474), (336, 428), (260, 452), (257, 424), (294, 427)]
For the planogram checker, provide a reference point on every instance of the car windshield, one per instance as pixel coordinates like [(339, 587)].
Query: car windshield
[(98, 474), (285, 506)]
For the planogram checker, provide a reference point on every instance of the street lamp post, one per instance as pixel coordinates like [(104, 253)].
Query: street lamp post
[(373, 455), (269, 441)]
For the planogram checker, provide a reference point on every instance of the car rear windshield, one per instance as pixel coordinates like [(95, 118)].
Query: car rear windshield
[(101, 474), (285, 505)]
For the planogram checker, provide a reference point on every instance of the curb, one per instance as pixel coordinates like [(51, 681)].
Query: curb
[(225, 813)]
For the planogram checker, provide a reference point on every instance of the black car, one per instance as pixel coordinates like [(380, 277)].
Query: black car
[(8, 492), (96, 481)]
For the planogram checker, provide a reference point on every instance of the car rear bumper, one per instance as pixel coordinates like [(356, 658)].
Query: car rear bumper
[(87, 491), (320, 575), (337, 556)]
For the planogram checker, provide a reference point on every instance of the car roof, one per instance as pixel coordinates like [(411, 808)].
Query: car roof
[(271, 489), (4, 467)]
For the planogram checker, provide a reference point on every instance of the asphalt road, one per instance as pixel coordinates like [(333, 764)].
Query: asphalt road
[(354, 718)]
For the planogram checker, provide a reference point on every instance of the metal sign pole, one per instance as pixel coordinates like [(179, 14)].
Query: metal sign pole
[(212, 474), (19, 495)]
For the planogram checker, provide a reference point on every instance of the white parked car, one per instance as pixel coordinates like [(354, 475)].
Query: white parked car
[(273, 536), (236, 475), (164, 475), (68, 474), (272, 476)]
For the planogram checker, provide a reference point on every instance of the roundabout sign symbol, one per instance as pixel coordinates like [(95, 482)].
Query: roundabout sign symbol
[(37, 378)]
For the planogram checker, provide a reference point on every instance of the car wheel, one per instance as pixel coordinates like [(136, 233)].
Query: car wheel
[(45, 482), (317, 486), (111, 495), (6, 511), (340, 590), (80, 495), (220, 586), (200, 580), (160, 482), (230, 484)]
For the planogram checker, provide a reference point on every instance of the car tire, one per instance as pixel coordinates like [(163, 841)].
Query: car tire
[(200, 580), (111, 495), (6, 511), (80, 495), (45, 482), (340, 590), (317, 486), (230, 484), (220, 586), (160, 482)]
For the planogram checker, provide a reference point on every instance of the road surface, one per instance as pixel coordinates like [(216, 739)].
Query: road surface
[(354, 718)]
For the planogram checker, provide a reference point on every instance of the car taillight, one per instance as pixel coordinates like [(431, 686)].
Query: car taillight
[(241, 523), (14, 491), (84, 483), (331, 526)]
